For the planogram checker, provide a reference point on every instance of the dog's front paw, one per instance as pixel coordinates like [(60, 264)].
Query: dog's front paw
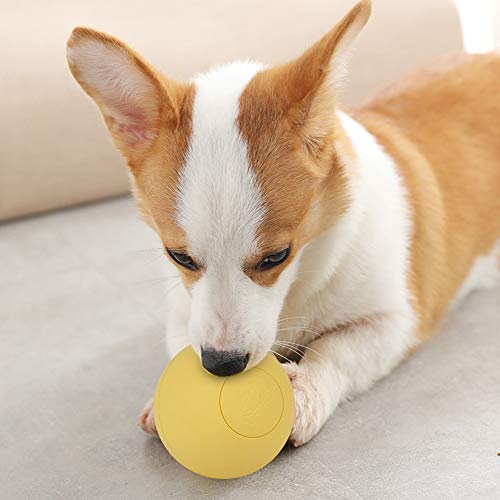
[(146, 419), (309, 412)]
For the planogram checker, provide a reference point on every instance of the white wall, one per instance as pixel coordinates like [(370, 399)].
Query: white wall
[(496, 17), (480, 23)]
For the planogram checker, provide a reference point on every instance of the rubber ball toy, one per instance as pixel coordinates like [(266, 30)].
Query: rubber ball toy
[(223, 427)]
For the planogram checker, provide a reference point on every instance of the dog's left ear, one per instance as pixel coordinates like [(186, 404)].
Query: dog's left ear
[(306, 86)]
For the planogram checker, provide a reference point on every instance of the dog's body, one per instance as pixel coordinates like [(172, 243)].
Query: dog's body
[(297, 228)]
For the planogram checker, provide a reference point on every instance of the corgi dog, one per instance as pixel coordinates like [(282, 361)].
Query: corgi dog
[(335, 240)]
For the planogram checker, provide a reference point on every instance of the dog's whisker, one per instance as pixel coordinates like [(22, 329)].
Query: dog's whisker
[(161, 279), (314, 335), (290, 348), (311, 327), (299, 330), (303, 326), (147, 250), (318, 333), (301, 346), (299, 353), (291, 317), (153, 254), (280, 355)]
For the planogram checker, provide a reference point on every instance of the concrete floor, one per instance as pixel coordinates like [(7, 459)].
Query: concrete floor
[(81, 350)]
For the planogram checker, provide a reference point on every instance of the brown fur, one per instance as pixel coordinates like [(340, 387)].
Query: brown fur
[(156, 176), (287, 121), (439, 127), (286, 118), (155, 162), (442, 129)]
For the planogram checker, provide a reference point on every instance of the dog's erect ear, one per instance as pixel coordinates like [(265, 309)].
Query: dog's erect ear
[(306, 86), (133, 98), (323, 64)]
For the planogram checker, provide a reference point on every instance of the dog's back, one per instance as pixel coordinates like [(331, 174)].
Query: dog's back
[(443, 129)]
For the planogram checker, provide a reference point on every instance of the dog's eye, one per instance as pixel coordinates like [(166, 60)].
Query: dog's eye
[(274, 259), (183, 259)]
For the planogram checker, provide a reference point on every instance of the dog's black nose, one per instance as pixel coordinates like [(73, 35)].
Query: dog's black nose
[(223, 363)]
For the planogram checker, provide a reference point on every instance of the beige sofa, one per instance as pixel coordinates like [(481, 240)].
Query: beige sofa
[(54, 150)]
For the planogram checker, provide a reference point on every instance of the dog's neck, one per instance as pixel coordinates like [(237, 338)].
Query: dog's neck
[(347, 261)]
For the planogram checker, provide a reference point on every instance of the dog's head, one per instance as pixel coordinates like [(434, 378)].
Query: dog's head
[(236, 171)]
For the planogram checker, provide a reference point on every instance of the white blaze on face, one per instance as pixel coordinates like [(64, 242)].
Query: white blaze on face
[(219, 206)]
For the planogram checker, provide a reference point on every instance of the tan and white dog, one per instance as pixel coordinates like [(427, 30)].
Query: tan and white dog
[(297, 227)]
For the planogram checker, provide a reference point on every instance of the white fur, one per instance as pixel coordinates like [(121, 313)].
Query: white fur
[(353, 278), (359, 292), (219, 207), (365, 256), (218, 199), (349, 286), (345, 297)]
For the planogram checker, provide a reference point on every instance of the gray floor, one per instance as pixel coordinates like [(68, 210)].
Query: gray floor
[(81, 350)]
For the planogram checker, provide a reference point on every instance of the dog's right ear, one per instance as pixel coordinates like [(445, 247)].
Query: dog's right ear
[(134, 99)]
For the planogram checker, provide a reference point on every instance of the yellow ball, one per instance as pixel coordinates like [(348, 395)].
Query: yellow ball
[(223, 427)]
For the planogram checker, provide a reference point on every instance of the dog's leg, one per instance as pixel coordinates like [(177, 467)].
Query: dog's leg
[(176, 340), (146, 419), (343, 363)]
